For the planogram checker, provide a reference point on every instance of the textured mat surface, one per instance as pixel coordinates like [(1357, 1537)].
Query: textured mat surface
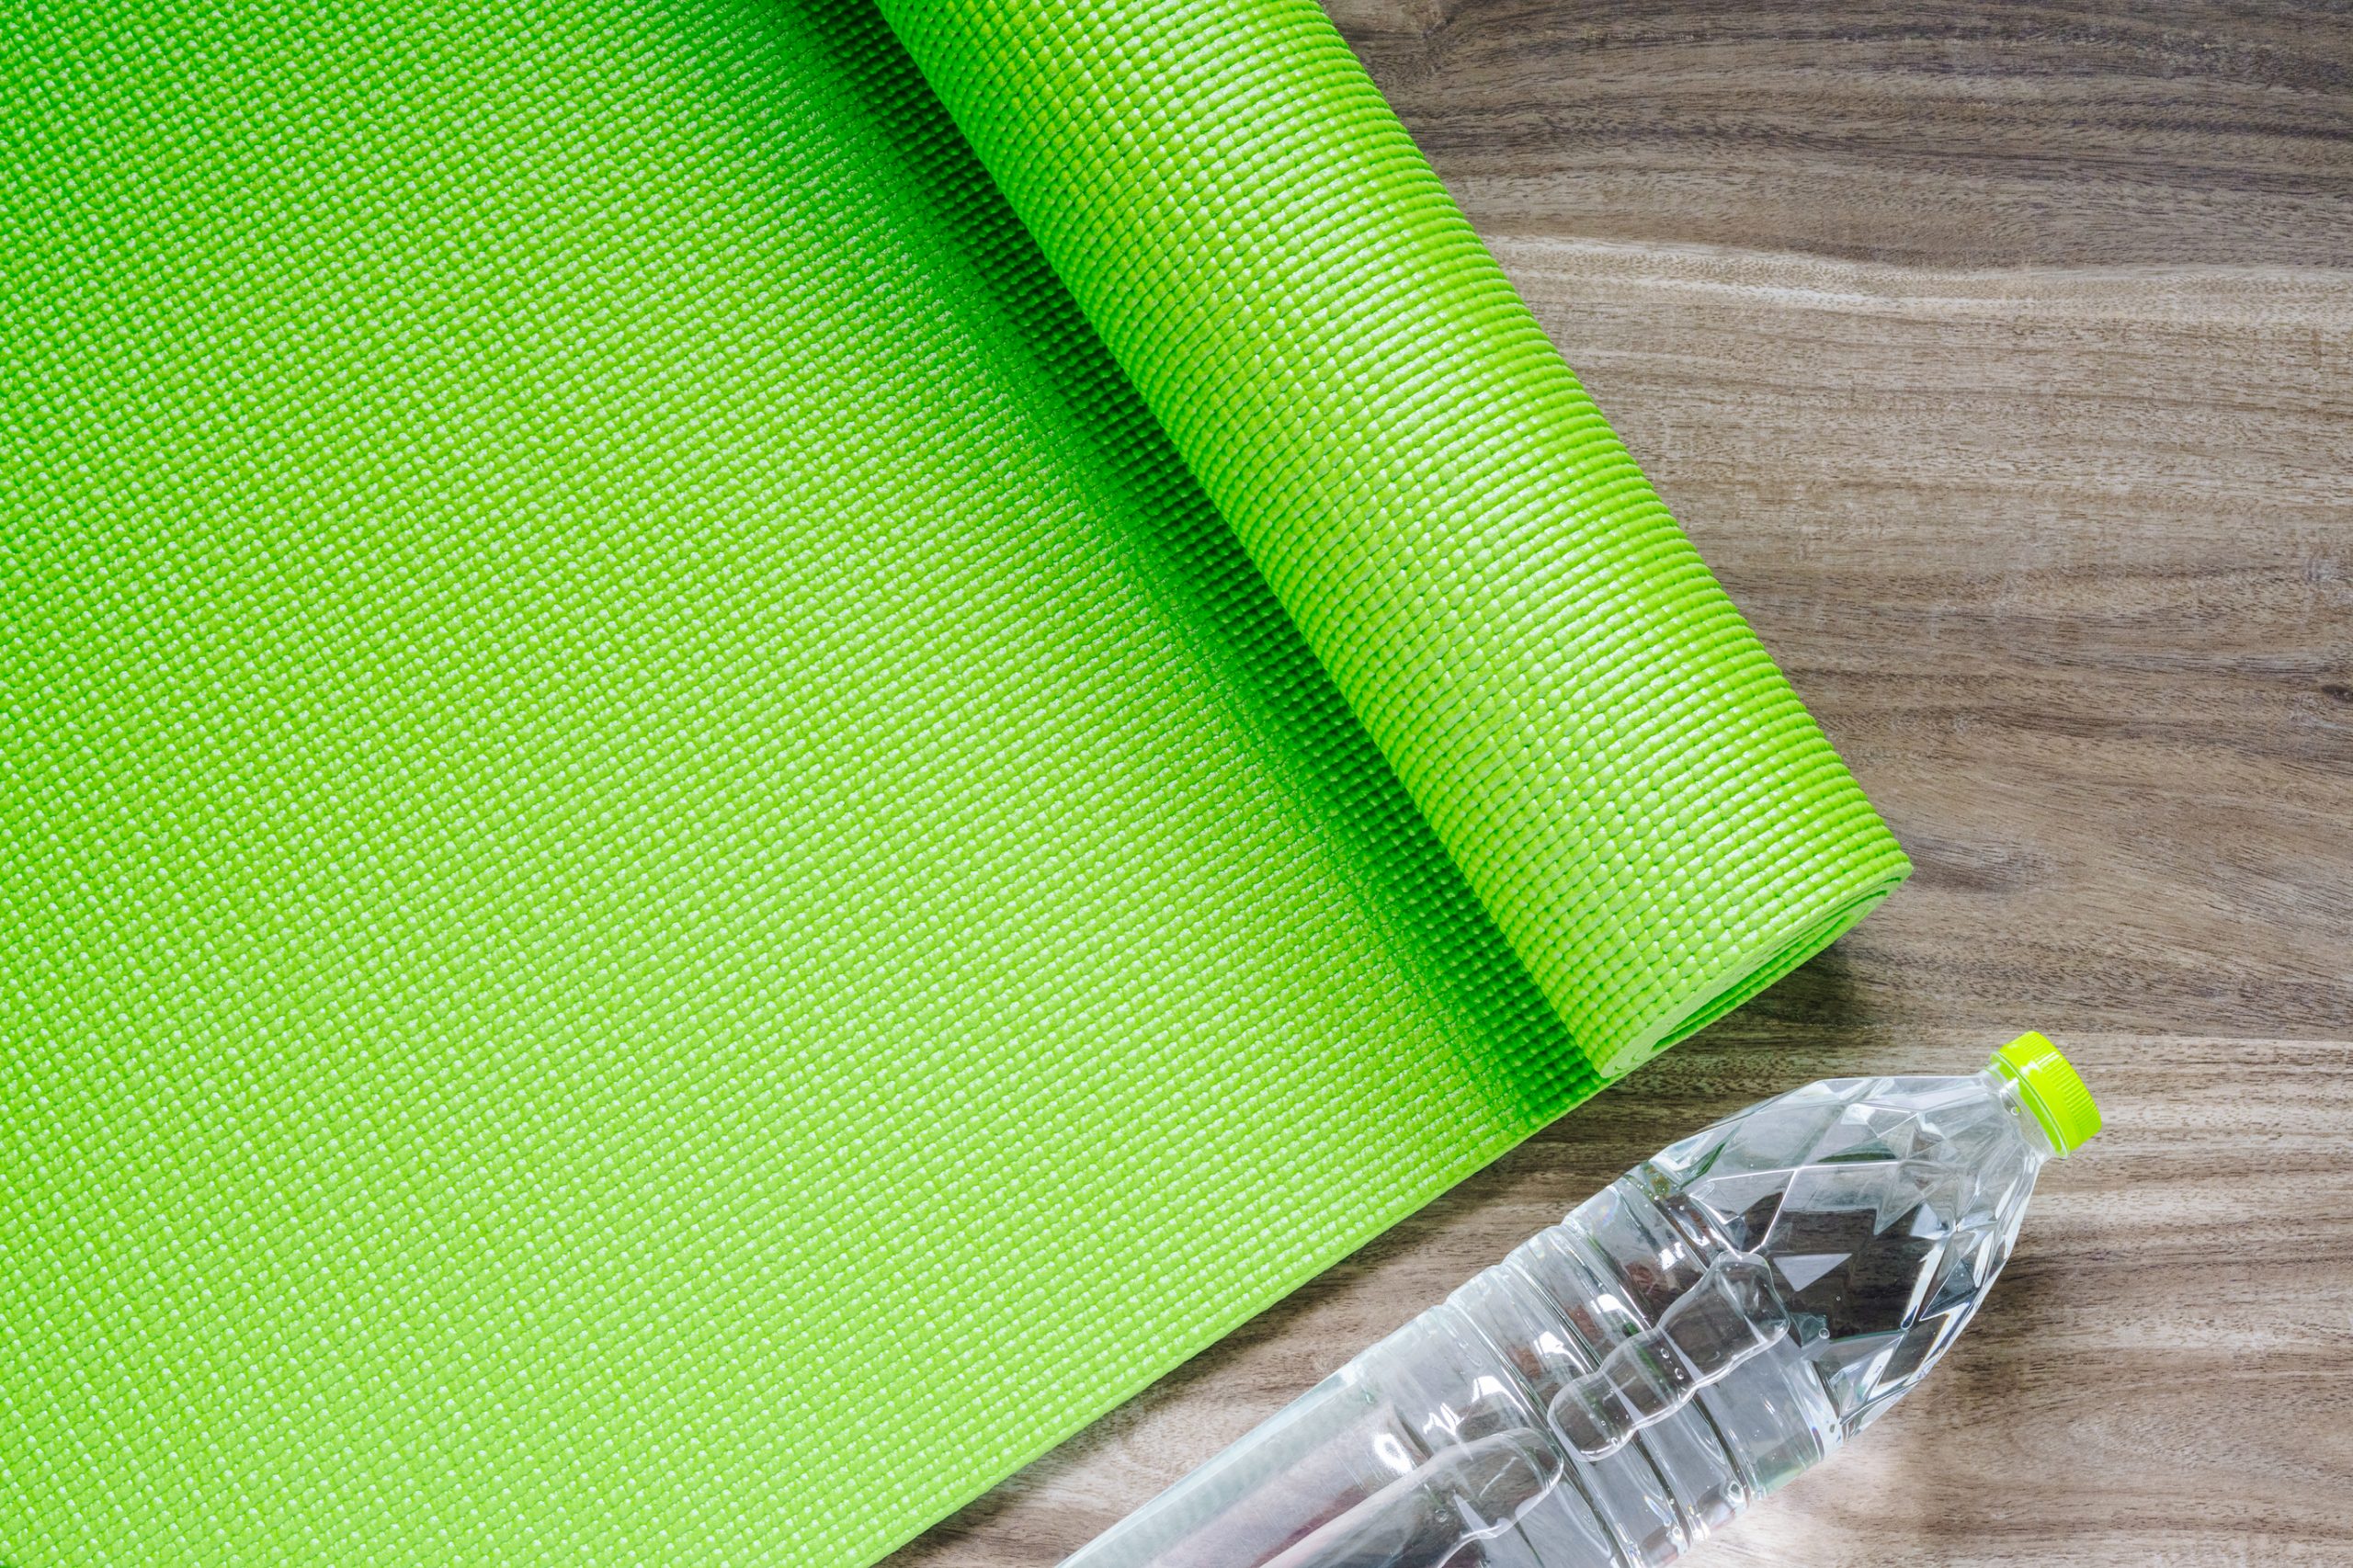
[(670, 888)]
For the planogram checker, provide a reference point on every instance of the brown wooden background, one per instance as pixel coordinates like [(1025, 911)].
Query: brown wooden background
[(2000, 359)]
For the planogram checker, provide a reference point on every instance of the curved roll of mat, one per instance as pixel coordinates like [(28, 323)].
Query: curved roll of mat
[(1595, 737), (716, 808)]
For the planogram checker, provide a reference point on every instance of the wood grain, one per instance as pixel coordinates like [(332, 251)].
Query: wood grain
[(2000, 359)]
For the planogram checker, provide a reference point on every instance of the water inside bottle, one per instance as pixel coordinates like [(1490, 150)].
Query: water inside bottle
[(1688, 1340)]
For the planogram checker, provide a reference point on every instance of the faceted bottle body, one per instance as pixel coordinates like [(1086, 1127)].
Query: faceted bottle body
[(1689, 1339)]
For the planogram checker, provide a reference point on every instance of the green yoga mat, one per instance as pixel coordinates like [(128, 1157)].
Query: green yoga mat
[(744, 756)]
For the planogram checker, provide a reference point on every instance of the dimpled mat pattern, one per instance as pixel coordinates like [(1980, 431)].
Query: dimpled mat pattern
[(670, 888)]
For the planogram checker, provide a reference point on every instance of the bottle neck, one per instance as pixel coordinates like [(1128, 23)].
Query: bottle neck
[(2012, 1094)]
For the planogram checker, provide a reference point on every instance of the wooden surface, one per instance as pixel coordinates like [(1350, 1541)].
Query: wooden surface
[(2000, 359)]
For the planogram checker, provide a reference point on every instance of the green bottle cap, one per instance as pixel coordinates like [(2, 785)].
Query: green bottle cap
[(2051, 1089)]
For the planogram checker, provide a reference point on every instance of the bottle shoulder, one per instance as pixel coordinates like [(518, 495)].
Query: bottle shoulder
[(1882, 1207)]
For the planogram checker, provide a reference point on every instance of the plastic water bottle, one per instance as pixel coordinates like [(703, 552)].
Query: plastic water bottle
[(1699, 1332)]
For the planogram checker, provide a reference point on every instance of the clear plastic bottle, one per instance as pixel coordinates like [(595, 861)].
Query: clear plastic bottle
[(1696, 1334)]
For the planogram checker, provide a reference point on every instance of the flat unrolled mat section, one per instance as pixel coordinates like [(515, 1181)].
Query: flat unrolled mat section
[(691, 850)]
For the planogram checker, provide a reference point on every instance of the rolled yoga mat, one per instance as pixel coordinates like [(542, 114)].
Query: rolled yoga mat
[(729, 789)]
